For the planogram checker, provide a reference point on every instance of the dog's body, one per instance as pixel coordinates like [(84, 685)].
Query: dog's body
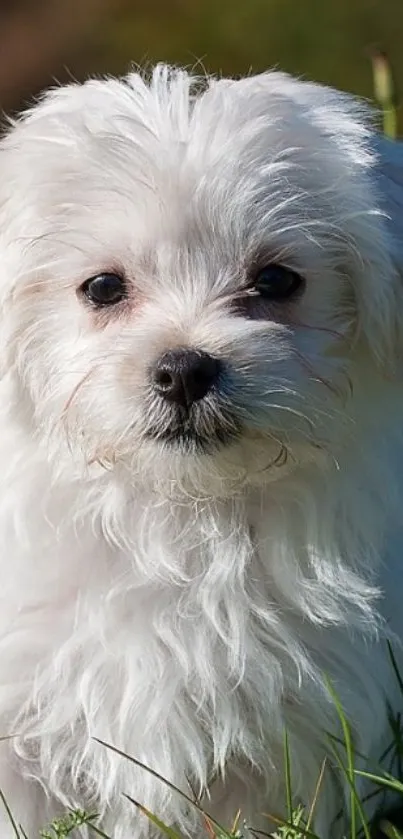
[(178, 579)]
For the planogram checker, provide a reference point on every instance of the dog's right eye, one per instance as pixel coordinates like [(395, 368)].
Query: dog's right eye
[(276, 283), (104, 289)]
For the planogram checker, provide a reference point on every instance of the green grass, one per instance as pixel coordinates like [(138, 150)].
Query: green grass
[(296, 824), (298, 818), (385, 92)]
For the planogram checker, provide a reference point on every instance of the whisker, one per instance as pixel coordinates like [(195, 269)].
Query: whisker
[(76, 390), (315, 377), (333, 332), (296, 413)]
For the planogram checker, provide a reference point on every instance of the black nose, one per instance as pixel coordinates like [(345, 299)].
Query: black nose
[(184, 376)]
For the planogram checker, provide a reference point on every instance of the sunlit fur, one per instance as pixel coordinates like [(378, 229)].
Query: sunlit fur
[(184, 603)]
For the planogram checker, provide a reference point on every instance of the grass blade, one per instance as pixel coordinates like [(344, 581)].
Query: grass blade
[(10, 815), (316, 794), (390, 830), (167, 831), (165, 781), (384, 90), (98, 831), (284, 823), (287, 772), (350, 756), (357, 803), (384, 780), (209, 827), (235, 823)]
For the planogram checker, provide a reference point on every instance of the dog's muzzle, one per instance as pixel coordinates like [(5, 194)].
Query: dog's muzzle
[(187, 402)]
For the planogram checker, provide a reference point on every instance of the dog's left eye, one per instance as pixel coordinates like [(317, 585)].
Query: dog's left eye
[(104, 289), (275, 282)]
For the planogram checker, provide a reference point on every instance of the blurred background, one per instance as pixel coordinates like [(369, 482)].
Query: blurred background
[(43, 41)]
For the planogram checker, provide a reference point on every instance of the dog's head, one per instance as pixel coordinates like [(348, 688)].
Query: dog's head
[(189, 275)]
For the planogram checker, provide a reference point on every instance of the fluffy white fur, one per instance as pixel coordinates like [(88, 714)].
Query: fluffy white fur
[(184, 605)]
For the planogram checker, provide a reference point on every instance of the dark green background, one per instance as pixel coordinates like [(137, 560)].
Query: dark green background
[(327, 41)]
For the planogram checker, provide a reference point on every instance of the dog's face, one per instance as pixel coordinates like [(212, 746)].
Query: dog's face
[(186, 277)]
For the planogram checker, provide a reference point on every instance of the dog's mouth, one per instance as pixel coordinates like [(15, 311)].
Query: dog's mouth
[(189, 440), (195, 430)]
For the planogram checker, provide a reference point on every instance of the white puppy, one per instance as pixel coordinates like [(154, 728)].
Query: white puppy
[(201, 443)]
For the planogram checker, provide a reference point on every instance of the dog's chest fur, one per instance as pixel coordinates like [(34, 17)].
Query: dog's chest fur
[(187, 641)]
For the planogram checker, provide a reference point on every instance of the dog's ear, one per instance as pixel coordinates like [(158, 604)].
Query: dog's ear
[(369, 191), (368, 188), (383, 315)]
